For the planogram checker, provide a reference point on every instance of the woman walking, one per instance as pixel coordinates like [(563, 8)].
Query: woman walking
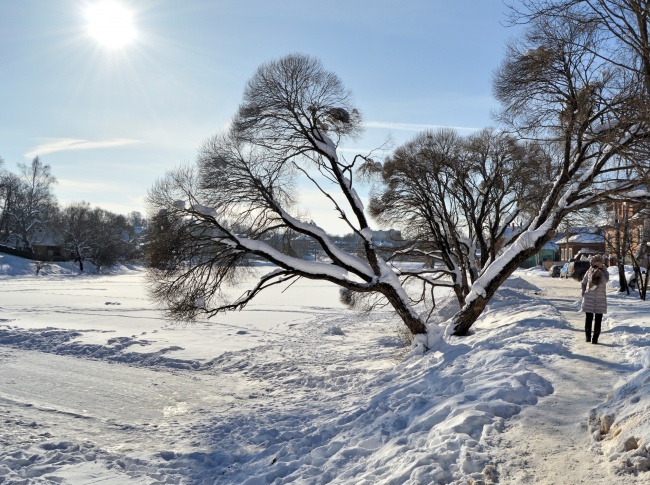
[(594, 297)]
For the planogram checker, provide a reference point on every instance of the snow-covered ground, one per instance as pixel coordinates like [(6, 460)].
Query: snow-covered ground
[(96, 387)]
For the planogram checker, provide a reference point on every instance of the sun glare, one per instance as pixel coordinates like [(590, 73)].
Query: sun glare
[(110, 23)]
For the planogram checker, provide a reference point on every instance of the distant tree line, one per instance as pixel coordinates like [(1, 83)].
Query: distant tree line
[(31, 218)]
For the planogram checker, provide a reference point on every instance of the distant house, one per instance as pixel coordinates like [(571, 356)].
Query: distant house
[(47, 247), (305, 247), (587, 242), (509, 233), (580, 241), (50, 248), (635, 217), (47, 252)]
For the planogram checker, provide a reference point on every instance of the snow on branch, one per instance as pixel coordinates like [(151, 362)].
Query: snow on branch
[(325, 144), (346, 259)]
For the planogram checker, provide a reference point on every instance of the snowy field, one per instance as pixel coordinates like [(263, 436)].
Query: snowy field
[(96, 387)]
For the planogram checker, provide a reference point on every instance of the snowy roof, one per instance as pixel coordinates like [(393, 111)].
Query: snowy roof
[(550, 245), (583, 238)]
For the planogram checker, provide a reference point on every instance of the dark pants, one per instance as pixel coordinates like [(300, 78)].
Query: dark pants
[(588, 320)]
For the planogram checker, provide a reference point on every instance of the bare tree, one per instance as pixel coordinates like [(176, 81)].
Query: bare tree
[(240, 202), (456, 198), (622, 23), (97, 235), (619, 239), (163, 238), (79, 232), (31, 204), (112, 238), (418, 196), (9, 189), (555, 88)]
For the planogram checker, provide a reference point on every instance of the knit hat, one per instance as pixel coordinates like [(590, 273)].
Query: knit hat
[(597, 259)]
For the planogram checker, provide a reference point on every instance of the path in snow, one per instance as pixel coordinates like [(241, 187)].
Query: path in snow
[(549, 444)]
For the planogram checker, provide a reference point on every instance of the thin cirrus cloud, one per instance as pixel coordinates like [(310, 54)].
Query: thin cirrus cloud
[(86, 186), (390, 125), (70, 144)]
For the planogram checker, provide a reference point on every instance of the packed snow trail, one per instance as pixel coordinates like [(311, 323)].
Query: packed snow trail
[(550, 444)]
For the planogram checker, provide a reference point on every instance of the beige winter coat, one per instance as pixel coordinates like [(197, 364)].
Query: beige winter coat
[(594, 297)]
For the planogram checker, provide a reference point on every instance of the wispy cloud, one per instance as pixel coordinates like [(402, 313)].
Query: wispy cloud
[(364, 150), (69, 144), (86, 186), (389, 125)]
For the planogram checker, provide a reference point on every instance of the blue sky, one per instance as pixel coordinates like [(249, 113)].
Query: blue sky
[(112, 121)]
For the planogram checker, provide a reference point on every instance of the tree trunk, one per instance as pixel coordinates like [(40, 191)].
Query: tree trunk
[(465, 318), (642, 23), (404, 310), (624, 246), (460, 294), (622, 280), (80, 260)]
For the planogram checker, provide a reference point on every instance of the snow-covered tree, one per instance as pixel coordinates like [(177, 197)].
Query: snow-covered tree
[(113, 238), (30, 205), (8, 184), (241, 199), (456, 199), (556, 88), (79, 230)]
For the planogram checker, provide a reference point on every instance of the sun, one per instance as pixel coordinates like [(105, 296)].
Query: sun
[(110, 23)]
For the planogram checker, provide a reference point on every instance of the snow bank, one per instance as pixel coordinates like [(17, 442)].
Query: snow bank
[(620, 426), (538, 271), (614, 280), (515, 282), (427, 420), (16, 266)]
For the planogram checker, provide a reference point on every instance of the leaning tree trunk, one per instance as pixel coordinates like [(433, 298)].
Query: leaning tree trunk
[(404, 309), (467, 316)]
